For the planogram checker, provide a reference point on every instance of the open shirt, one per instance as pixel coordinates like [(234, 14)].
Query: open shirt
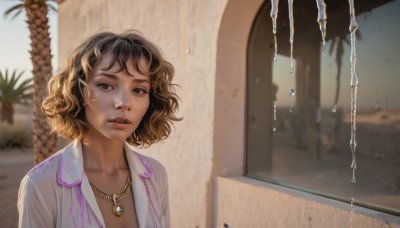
[(57, 192)]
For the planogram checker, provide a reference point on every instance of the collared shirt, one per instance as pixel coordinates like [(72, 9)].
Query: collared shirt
[(57, 192)]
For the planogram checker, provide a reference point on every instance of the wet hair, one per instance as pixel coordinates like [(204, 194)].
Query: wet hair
[(65, 102)]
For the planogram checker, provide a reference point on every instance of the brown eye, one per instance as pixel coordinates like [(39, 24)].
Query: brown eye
[(139, 91), (104, 86)]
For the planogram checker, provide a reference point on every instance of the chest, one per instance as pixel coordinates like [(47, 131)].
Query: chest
[(79, 207), (127, 205)]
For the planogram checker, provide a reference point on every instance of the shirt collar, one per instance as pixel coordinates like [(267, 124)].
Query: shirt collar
[(70, 171)]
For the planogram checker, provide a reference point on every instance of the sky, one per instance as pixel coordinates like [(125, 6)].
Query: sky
[(15, 42)]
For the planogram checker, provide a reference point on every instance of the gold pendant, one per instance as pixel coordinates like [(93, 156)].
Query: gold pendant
[(117, 209)]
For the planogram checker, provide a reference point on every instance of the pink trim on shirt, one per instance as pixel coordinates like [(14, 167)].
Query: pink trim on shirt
[(149, 173)]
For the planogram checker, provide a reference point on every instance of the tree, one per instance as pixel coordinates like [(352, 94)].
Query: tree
[(44, 142), (13, 92), (337, 44)]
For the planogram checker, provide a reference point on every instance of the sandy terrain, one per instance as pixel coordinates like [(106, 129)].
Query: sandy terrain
[(14, 163)]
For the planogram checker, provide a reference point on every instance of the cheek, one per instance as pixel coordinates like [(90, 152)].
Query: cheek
[(99, 98)]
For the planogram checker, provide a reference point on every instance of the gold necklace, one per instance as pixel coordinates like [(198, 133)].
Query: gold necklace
[(117, 208)]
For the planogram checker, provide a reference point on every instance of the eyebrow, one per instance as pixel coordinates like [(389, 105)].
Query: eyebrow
[(112, 76)]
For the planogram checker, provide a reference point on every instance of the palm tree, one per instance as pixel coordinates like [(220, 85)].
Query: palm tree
[(337, 44), (13, 92), (44, 142)]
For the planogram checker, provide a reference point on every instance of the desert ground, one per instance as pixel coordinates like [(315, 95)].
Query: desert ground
[(14, 163)]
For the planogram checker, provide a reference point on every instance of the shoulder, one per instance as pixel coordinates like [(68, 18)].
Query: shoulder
[(37, 190), (44, 171)]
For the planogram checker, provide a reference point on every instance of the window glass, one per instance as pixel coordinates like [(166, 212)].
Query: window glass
[(303, 140)]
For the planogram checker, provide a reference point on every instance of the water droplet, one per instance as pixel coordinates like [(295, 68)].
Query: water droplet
[(274, 129), (352, 202), (188, 51), (334, 109), (351, 210), (292, 92), (323, 52)]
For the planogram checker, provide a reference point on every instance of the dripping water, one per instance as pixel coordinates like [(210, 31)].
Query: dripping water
[(292, 92), (274, 16), (354, 87), (321, 19), (353, 142), (334, 109), (291, 39), (351, 210), (276, 48)]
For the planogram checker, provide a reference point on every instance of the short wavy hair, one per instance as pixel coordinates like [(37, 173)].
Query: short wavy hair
[(65, 102)]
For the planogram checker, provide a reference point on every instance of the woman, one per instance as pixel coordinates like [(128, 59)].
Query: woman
[(114, 92)]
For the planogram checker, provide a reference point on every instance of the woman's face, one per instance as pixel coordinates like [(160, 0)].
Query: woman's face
[(117, 100)]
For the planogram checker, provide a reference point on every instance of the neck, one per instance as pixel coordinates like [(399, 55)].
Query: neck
[(103, 155)]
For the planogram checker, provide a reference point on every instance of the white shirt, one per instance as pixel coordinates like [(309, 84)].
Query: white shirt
[(57, 193)]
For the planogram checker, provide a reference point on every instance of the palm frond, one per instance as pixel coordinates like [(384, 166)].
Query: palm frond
[(12, 89), (16, 9), (52, 5)]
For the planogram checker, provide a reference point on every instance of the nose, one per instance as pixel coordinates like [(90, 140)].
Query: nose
[(122, 101)]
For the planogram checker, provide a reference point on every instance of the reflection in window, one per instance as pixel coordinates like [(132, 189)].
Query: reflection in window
[(303, 140)]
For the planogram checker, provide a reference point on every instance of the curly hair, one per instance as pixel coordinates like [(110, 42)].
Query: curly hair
[(64, 105)]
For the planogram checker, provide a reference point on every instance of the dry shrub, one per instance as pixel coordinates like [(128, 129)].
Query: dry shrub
[(17, 135)]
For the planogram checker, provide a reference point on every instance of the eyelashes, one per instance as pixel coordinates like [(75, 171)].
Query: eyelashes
[(104, 86), (140, 91), (108, 87)]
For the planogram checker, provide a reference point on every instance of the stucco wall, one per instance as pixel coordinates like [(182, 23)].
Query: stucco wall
[(244, 202)]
